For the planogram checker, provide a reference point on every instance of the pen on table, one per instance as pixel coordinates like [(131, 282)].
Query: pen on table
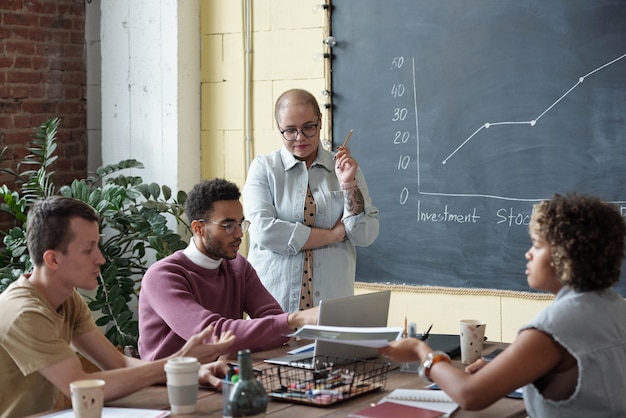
[(425, 335), (345, 142)]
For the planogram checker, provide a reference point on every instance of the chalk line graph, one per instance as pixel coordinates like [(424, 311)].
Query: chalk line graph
[(487, 125), (534, 121)]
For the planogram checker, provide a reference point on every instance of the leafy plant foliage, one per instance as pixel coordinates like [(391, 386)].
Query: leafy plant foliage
[(133, 225)]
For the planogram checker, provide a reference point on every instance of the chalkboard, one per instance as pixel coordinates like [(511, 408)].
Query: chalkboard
[(466, 113)]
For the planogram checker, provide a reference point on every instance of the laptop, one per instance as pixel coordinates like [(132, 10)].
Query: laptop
[(448, 343), (366, 310)]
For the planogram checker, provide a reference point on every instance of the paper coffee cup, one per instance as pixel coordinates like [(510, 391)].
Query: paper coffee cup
[(472, 339), (87, 398), (182, 384)]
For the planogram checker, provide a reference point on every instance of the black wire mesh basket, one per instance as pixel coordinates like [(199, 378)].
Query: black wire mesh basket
[(331, 380)]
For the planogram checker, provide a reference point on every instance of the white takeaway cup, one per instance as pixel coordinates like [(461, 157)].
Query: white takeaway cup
[(182, 384), (87, 398)]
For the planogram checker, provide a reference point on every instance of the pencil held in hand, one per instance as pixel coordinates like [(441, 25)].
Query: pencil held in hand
[(347, 138)]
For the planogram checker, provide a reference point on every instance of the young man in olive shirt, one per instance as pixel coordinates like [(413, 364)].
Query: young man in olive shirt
[(42, 313)]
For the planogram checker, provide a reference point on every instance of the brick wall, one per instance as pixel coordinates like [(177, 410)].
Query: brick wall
[(42, 75)]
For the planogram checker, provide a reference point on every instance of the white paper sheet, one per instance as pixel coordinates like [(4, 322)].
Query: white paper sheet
[(374, 337), (108, 412)]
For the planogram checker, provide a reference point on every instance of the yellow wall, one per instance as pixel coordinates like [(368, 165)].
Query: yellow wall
[(503, 311), (285, 35)]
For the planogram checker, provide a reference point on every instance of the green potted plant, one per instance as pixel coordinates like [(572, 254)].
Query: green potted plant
[(133, 223)]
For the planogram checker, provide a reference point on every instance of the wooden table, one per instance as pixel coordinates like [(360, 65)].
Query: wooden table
[(210, 402)]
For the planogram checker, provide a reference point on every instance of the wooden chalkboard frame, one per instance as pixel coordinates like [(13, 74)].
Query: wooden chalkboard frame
[(466, 113)]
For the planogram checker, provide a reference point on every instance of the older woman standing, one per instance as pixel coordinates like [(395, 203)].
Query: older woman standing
[(309, 208)]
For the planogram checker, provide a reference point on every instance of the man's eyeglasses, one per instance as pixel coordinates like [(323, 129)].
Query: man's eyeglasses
[(291, 134), (230, 226)]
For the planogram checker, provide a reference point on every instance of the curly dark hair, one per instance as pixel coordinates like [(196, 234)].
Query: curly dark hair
[(200, 200), (586, 238)]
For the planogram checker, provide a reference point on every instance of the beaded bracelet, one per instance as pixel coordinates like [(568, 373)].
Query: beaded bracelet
[(349, 185)]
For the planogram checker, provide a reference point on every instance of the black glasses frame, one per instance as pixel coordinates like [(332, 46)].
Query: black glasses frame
[(296, 132)]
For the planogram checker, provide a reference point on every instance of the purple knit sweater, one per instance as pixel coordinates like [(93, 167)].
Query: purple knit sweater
[(179, 299)]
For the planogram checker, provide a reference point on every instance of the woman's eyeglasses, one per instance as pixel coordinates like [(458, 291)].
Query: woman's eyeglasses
[(291, 134)]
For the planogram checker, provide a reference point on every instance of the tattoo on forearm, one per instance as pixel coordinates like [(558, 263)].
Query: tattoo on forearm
[(354, 201)]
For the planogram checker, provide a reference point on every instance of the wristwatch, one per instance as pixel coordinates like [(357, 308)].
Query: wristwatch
[(431, 359)]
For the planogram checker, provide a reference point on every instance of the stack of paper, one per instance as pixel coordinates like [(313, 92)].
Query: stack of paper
[(375, 337)]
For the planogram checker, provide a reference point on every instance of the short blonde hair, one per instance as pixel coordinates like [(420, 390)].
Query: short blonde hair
[(295, 97)]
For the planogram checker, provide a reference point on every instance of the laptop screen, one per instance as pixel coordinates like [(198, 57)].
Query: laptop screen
[(366, 310)]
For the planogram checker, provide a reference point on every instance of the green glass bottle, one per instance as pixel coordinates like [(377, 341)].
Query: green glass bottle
[(247, 397)]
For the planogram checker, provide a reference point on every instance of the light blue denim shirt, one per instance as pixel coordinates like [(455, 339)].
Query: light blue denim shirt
[(273, 201)]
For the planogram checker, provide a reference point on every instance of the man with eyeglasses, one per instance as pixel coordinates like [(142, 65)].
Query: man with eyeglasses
[(210, 283)]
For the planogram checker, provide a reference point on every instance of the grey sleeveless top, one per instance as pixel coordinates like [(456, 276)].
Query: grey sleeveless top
[(592, 327)]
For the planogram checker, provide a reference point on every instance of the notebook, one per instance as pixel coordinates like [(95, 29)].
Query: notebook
[(394, 410), (366, 310), (435, 400)]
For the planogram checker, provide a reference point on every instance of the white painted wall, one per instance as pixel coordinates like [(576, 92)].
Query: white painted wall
[(94, 88), (150, 88)]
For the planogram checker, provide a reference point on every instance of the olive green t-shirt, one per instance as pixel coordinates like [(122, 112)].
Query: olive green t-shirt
[(34, 336)]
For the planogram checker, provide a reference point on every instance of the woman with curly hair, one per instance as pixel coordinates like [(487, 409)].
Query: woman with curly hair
[(571, 358)]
